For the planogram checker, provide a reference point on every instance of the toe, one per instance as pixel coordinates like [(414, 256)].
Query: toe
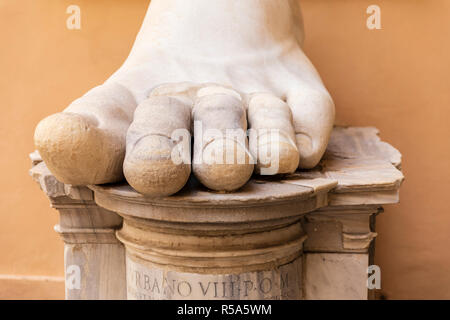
[(272, 135), (222, 161), (313, 114), (76, 151), (226, 165), (149, 167), (157, 161), (85, 144)]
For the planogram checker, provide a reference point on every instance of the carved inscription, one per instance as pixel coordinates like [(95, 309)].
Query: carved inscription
[(145, 283)]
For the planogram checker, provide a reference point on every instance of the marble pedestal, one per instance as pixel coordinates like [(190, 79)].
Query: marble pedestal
[(308, 235)]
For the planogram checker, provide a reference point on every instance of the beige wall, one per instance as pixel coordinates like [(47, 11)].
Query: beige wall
[(397, 79)]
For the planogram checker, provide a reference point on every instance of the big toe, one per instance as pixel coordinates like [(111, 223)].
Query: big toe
[(76, 151)]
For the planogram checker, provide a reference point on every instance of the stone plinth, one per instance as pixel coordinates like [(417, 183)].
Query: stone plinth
[(94, 260), (198, 244), (308, 235)]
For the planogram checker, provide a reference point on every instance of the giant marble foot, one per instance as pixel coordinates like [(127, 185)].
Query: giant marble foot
[(227, 64)]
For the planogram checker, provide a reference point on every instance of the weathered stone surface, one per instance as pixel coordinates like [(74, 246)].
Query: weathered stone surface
[(94, 271), (360, 143), (94, 260), (323, 216), (339, 229), (332, 276), (116, 129), (147, 283)]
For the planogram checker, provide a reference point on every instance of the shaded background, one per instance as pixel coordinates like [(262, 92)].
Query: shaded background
[(397, 79)]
